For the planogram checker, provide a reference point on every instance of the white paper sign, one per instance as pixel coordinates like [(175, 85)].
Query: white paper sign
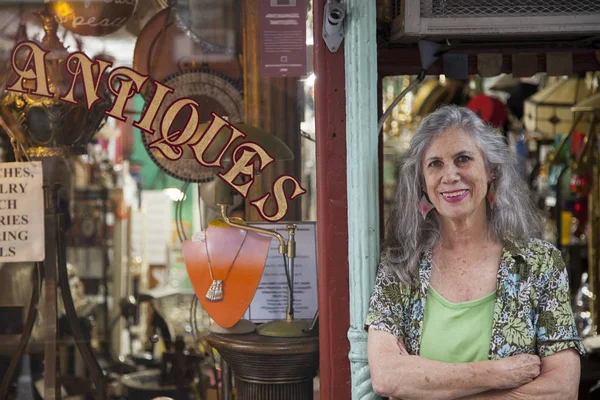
[(89, 261), (21, 212), (151, 229), (270, 300)]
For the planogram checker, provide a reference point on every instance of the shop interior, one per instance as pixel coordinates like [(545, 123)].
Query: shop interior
[(118, 305), (546, 106), (128, 229)]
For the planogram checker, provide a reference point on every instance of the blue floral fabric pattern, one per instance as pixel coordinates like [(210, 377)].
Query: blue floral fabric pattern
[(532, 312)]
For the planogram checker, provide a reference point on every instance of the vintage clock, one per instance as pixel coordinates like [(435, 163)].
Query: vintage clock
[(195, 67), (214, 93)]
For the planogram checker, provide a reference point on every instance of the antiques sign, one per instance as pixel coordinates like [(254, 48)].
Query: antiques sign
[(247, 157), (21, 212)]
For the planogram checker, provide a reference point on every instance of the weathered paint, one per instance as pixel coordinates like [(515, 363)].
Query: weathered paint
[(332, 227), (363, 180)]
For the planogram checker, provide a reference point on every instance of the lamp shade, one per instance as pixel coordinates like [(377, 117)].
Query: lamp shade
[(548, 112), (187, 167), (587, 115), (270, 143)]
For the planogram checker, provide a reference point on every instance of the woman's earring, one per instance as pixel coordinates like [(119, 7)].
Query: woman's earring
[(425, 206), (491, 194)]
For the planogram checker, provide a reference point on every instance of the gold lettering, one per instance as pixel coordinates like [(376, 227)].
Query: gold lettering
[(80, 64), (38, 71), (151, 110), (243, 166), (281, 203), (127, 78), (202, 145), (170, 143)]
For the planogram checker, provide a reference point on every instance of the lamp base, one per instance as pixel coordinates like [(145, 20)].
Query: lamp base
[(282, 328)]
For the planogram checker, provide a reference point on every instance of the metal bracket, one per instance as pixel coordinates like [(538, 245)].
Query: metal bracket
[(333, 25)]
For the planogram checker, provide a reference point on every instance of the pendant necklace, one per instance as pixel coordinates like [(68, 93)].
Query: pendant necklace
[(215, 292)]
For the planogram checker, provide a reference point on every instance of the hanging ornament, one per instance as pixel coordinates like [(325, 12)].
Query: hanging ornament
[(92, 17)]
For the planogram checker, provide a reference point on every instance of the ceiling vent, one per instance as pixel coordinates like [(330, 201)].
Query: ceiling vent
[(494, 20)]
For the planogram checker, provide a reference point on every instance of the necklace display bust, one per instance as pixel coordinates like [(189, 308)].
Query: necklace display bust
[(230, 259)]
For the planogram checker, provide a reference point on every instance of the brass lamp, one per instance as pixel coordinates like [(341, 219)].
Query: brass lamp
[(187, 168), (548, 112), (224, 198)]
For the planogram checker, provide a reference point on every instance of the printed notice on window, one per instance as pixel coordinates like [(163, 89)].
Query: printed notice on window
[(151, 227), (270, 300), (283, 37), (21, 212)]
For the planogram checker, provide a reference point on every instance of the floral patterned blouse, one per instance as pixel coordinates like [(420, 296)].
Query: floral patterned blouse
[(532, 312)]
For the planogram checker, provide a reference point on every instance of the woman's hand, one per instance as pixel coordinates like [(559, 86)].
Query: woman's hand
[(518, 370), (514, 371), (401, 347)]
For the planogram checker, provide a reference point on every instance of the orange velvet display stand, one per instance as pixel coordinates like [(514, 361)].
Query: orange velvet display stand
[(242, 281)]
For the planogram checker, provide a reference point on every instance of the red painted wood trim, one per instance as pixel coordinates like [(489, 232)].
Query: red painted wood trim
[(406, 60), (332, 226)]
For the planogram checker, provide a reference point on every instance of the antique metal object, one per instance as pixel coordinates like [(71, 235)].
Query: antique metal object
[(333, 25), (49, 126), (289, 327), (173, 304), (548, 112), (215, 292), (144, 385), (268, 367)]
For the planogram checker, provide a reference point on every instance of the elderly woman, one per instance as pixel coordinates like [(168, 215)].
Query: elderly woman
[(469, 302)]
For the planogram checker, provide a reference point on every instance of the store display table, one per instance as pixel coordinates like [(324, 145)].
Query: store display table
[(268, 367)]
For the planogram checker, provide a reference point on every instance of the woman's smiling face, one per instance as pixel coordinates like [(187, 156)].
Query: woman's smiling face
[(456, 179)]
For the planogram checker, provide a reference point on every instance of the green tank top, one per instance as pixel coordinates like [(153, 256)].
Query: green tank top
[(457, 332)]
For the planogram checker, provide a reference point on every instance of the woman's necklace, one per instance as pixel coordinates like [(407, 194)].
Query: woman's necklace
[(215, 292)]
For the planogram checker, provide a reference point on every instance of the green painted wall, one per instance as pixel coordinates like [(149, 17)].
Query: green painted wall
[(152, 176)]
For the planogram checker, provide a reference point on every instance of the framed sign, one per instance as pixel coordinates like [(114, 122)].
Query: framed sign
[(151, 227), (283, 37), (270, 300), (21, 212)]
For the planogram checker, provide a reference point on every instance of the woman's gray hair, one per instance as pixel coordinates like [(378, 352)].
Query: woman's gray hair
[(409, 234)]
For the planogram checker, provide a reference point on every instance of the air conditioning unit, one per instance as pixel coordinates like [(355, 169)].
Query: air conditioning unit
[(495, 20)]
